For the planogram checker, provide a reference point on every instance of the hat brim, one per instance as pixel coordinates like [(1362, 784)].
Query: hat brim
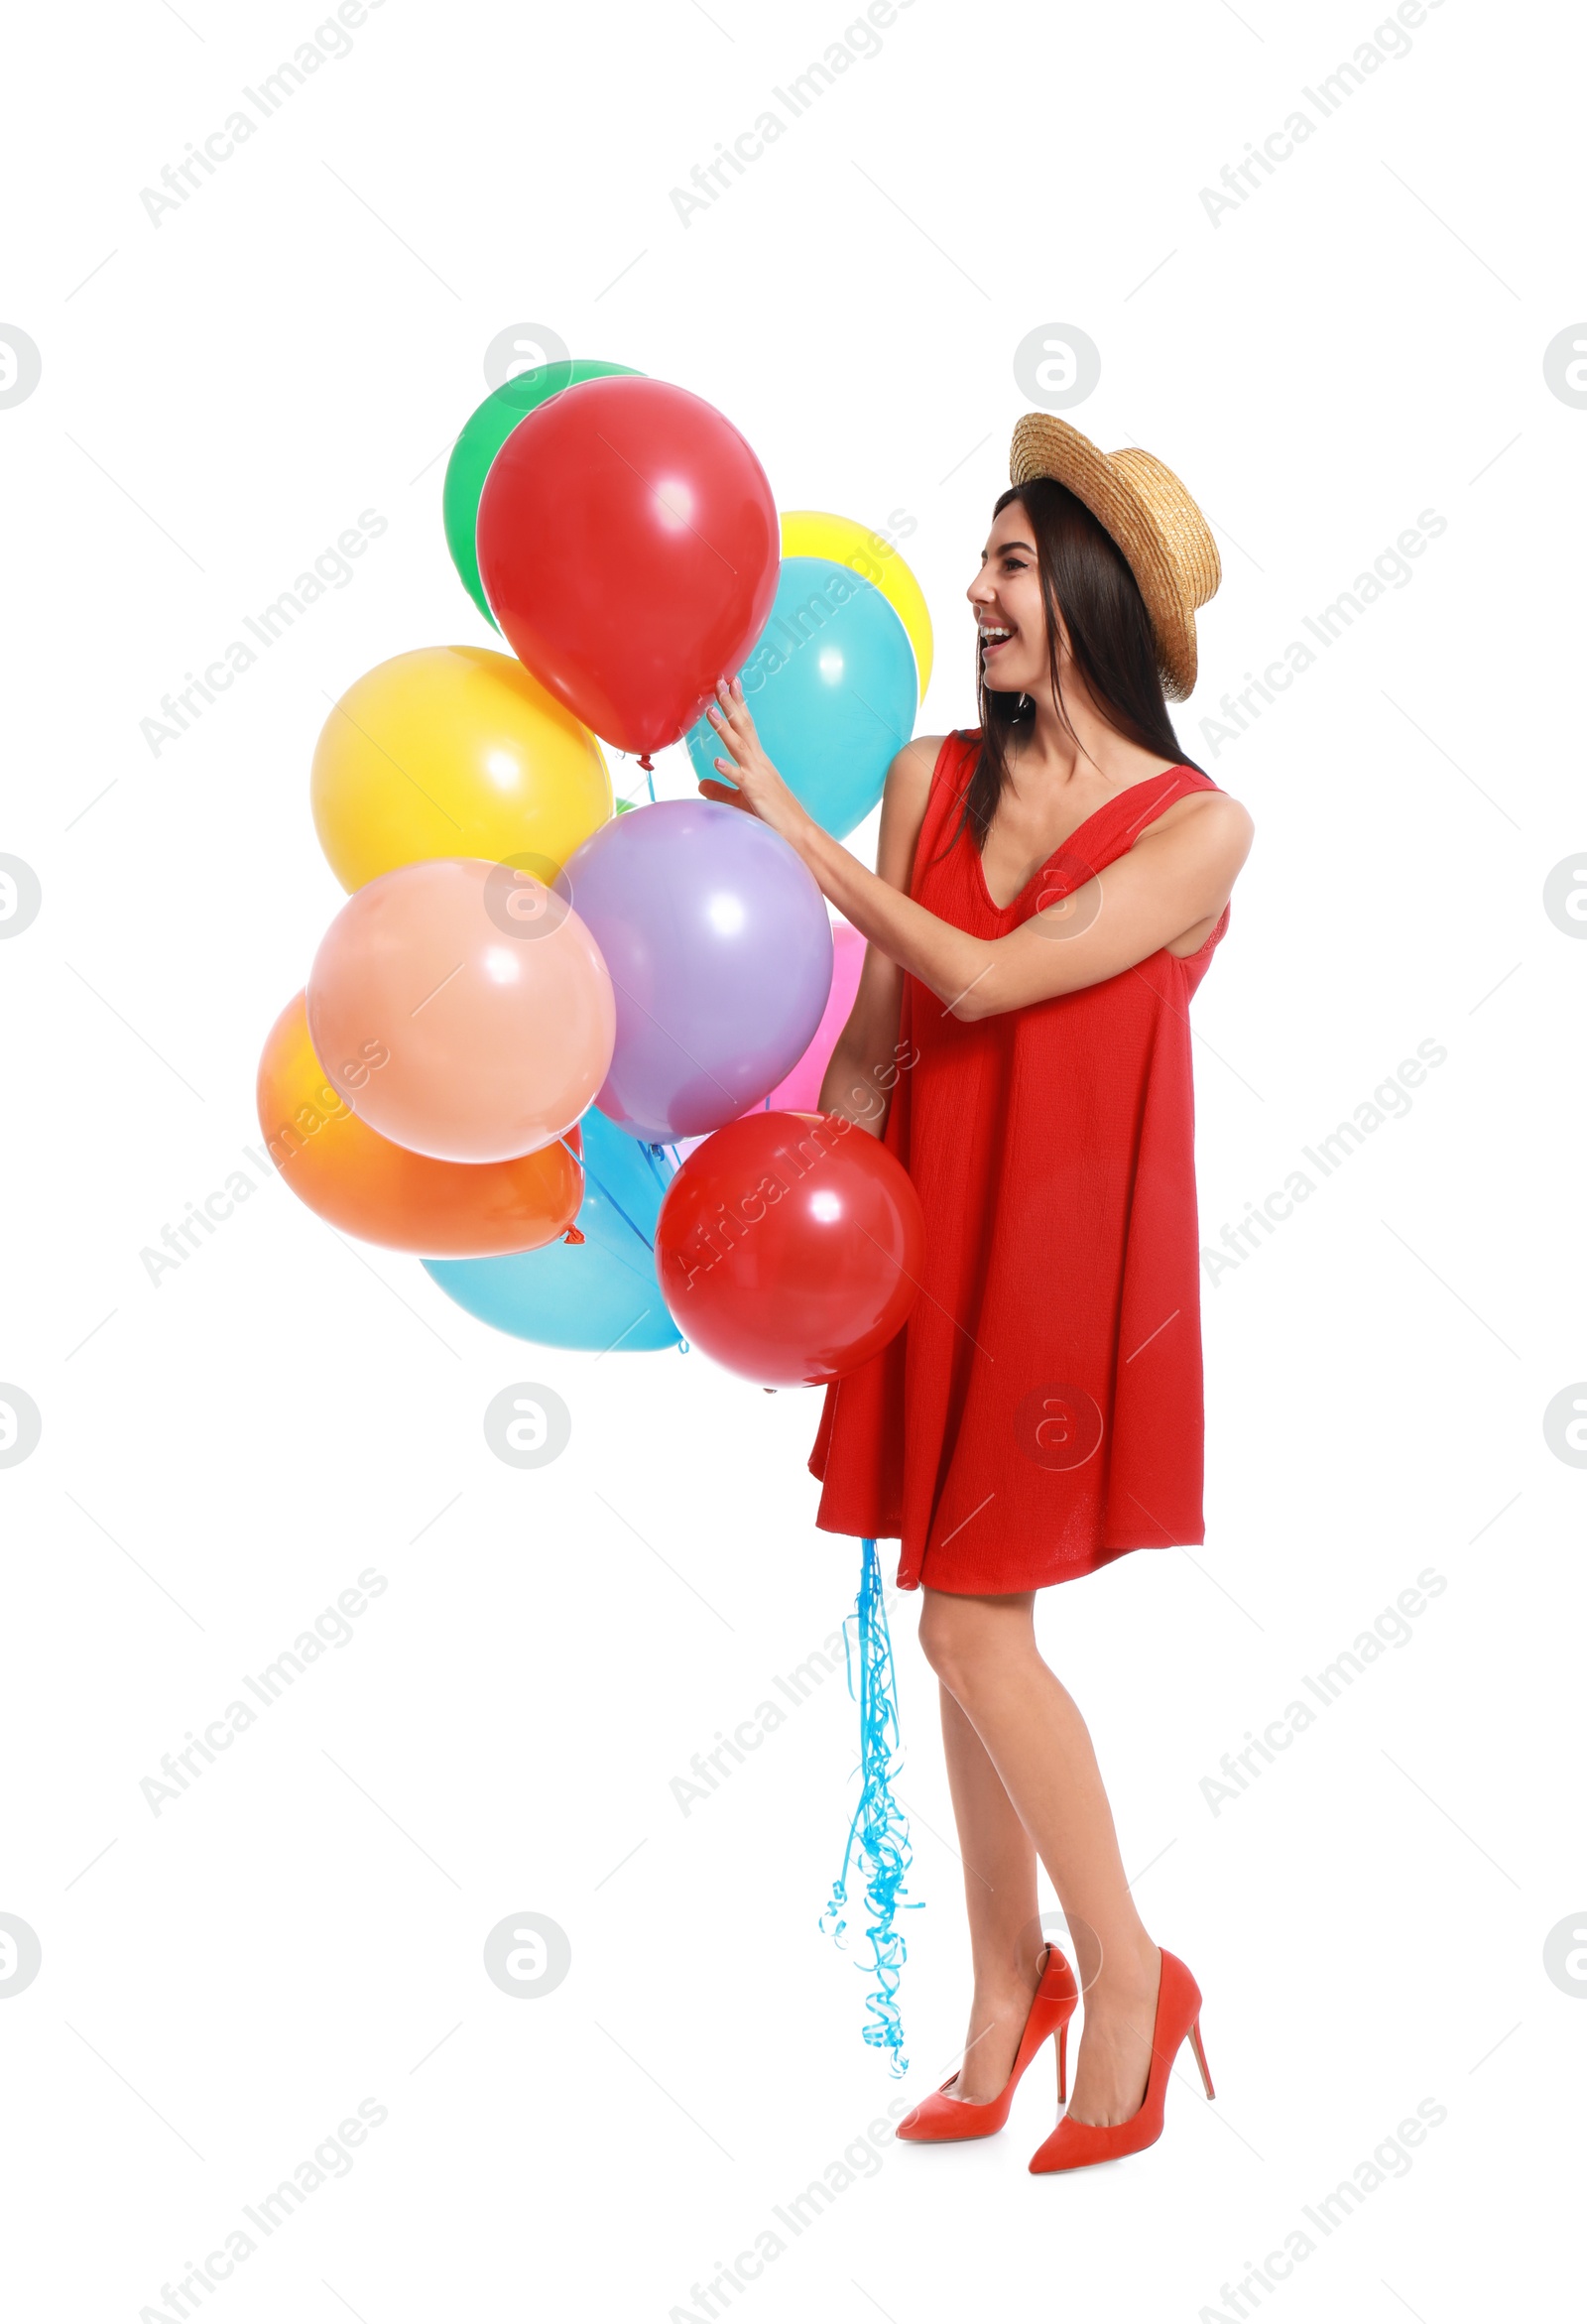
[(1045, 446)]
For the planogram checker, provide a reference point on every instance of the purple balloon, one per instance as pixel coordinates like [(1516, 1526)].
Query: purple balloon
[(720, 952)]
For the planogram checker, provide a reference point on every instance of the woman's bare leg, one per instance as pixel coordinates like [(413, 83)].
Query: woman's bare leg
[(1000, 1899), (984, 1651)]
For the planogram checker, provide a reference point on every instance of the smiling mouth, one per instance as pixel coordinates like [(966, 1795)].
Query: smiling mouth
[(992, 637)]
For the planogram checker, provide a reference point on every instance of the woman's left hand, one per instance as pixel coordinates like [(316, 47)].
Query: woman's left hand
[(758, 788)]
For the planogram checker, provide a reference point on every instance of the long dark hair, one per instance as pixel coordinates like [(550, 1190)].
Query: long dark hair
[(1083, 570)]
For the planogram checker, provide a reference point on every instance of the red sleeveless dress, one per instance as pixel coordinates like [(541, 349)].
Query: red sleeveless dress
[(1041, 1413)]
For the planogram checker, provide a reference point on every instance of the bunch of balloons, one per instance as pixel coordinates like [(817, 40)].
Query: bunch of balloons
[(534, 991)]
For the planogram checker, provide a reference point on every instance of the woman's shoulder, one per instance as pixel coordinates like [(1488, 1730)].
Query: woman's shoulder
[(925, 781), (1196, 811), (925, 756), (1195, 780)]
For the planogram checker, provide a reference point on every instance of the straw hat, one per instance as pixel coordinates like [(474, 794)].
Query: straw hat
[(1166, 541)]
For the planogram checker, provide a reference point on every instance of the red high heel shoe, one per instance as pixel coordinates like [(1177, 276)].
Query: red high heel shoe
[(1074, 2145), (940, 2117)]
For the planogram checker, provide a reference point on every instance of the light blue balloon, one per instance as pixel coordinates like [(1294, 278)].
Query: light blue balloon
[(599, 1294), (831, 688)]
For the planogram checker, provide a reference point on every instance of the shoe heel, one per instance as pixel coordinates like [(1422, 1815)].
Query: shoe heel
[(1063, 2062), (1202, 2057)]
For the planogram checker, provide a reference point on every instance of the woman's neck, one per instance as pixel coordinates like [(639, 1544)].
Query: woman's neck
[(1056, 750)]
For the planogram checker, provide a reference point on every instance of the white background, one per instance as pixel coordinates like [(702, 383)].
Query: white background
[(221, 394)]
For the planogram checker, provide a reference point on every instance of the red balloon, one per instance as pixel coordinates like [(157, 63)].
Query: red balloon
[(629, 546), (789, 1247)]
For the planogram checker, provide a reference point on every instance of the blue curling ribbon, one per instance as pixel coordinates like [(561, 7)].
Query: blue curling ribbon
[(879, 1829)]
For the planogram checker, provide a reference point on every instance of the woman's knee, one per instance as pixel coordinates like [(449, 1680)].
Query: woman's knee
[(968, 1642)]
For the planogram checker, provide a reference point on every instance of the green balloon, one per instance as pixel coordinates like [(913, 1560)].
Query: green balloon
[(482, 438)]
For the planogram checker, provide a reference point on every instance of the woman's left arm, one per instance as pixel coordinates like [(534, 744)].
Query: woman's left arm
[(1178, 874)]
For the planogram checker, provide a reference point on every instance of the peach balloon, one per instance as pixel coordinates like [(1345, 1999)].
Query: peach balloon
[(462, 1009), (348, 1173)]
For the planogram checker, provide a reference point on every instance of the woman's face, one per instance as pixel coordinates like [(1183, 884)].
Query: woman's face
[(1006, 599)]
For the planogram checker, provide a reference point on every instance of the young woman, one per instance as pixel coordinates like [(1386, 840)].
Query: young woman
[(1047, 895)]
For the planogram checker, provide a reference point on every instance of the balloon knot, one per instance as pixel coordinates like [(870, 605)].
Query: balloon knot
[(573, 1236), (645, 762)]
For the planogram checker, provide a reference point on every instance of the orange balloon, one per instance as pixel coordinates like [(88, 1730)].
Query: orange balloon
[(462, 1009), (360, 1181)]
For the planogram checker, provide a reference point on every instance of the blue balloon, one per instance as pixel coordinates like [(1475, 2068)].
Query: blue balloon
[(599, 1294), (831, 688)]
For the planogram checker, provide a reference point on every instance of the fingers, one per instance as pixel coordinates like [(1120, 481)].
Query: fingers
[(729, 796), (730, 738), (733, 729), (730, 713)]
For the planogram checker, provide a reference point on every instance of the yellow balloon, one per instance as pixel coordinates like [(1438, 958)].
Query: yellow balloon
[(453, 750), (813, 533)]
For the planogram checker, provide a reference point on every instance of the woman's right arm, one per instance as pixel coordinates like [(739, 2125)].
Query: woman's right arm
[(865, 1063)]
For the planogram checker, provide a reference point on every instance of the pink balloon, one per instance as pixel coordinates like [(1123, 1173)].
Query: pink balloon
[(800, 1089), (462, 1009)]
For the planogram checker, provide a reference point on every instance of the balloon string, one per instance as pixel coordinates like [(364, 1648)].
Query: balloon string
[(879, 1826), (664, 1179), (608, 1196)]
